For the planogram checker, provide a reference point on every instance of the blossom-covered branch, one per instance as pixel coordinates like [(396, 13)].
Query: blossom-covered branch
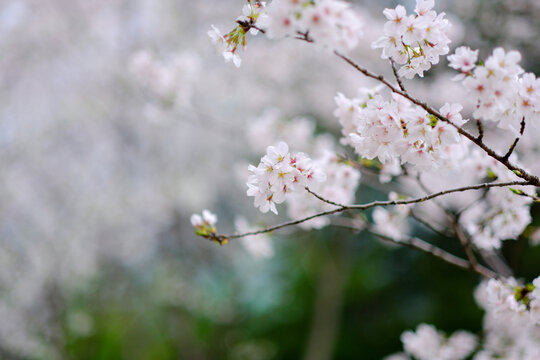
[(532, 179)]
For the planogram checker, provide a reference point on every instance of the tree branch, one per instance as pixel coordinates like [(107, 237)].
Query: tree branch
[(428, 225), (480, 128), (323, 199), (341, 208), (513, 146), (424, 246), (465, 243), (398, 79)]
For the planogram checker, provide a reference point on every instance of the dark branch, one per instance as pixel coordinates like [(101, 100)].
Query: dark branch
[(480, 130), (513, 146), (426, 224), (222, 239), (323, 199), (424, 246), (398, 79)]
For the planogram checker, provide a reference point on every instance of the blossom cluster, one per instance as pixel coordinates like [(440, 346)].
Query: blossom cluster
[(227, 44), (427, 343), (501, 91), (341, 178), (414, 41), (339, 187), (280, 173), (390, 129), (204, 224), (329, 23), (511, 328), (511, 320), (500, 214)]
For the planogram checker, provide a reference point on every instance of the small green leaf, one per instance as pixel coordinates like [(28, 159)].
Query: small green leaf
[(518, 295), (201, 232), (491, 174), (433, 120), (517, 191)]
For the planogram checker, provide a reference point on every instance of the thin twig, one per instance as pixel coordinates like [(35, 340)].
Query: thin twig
[(323, 199), (428, 225), (304, 36), (428, 191), (424, 246), (223, 238), (465, 243), (454, 220), (439, 253), (469, 205), (480, 128), (398, 79), (513, 146), (534, 197), (458, 231), (248, 25), (495, 260)]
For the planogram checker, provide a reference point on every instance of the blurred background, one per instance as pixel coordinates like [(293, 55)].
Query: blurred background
[(118, 120)]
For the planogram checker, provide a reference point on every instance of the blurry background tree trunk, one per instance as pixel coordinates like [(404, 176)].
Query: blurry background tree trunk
[(327, 308)]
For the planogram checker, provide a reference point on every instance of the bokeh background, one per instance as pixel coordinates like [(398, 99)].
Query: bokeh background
[(118, 120)]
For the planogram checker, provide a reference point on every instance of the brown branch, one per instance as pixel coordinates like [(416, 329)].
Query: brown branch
[(458, 231), (534, 197), (513, 146), (428, 225), (248, 25), (496, 262), (424, 246), (323, 199), (439, 253), (304, 36), (465, 243), (470, 204), (398, 79), (480, 128), (222, 239)]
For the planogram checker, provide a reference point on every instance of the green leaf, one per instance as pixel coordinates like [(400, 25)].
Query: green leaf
[(491, 174), (517, 191), (433, 120)]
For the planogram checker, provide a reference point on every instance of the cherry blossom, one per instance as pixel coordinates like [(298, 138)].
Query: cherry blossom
[(414, 41), (390, 129), (427, 343), (280, 173), (502, 92)]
